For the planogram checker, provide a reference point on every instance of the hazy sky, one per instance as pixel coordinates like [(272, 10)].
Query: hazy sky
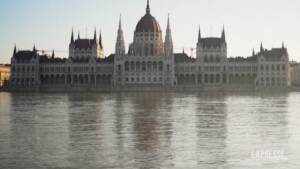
[(48, 23)]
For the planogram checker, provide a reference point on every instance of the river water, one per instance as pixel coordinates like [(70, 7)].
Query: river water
[(150, 130)]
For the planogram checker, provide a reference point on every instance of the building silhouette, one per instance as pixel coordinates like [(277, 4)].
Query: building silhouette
[(149, 62)]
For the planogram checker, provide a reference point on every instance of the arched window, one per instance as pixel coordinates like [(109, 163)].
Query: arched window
[(154, 66), (205, 58), (144, 66), (261, 67), (146, 50), (132, 66), (211, 59), (160, 66), (119, 67), (138, 66), (127, 66), (149, 66), (151, 50)]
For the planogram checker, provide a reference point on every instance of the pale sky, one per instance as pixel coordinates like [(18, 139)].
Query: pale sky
[(48, 23)]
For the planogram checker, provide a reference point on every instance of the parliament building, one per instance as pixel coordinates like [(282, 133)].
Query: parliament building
[(149, 62)]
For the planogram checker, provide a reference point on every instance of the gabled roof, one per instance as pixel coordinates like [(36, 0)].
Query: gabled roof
[(84, 43), (25, 55), (80, 60), (183, 58), (243, 59), (211, 42), (274, 54), (108, 59), (47, 59)]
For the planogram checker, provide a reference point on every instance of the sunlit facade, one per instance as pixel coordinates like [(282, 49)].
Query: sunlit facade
[(4, 74)]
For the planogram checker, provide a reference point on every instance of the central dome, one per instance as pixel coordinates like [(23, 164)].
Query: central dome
[(147, 23)]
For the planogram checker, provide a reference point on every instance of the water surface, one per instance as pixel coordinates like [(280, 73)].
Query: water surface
[(150, 130)]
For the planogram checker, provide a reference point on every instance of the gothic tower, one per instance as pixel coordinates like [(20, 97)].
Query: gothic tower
[(120, 44), (168, 40)]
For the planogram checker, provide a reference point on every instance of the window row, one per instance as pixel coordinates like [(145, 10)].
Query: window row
[(144, 79), (272, 67)]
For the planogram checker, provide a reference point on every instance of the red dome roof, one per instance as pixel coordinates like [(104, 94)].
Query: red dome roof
[(148, 24)]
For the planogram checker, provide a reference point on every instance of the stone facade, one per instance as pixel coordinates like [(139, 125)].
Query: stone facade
[(149, 62), (295, 74)]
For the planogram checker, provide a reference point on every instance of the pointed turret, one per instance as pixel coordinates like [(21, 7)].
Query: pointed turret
[(223, 34), (199, 35), (148, 8), (253, 52), (283, 47), (34, 49), (120, 44), (261, 47), (53, 54), (78, 37), (72, 36), (95, 36), (199, 46), (100, 40), (168, 23), (120, 22), (168, 39), (15, 49)]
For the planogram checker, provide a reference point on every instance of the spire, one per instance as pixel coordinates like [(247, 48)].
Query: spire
[(168, 24), (261, 47), (120, 44), (223, 34), (148, 8), (120, 22), (95, 35), (168, 39), (72, 36), (253, 52), (199, 35), (15, 49), (100, 40), (53, 54), (78, 37), (283, 45), (34, 49)]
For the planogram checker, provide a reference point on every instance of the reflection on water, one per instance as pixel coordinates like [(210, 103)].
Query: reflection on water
[(150, 130)]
